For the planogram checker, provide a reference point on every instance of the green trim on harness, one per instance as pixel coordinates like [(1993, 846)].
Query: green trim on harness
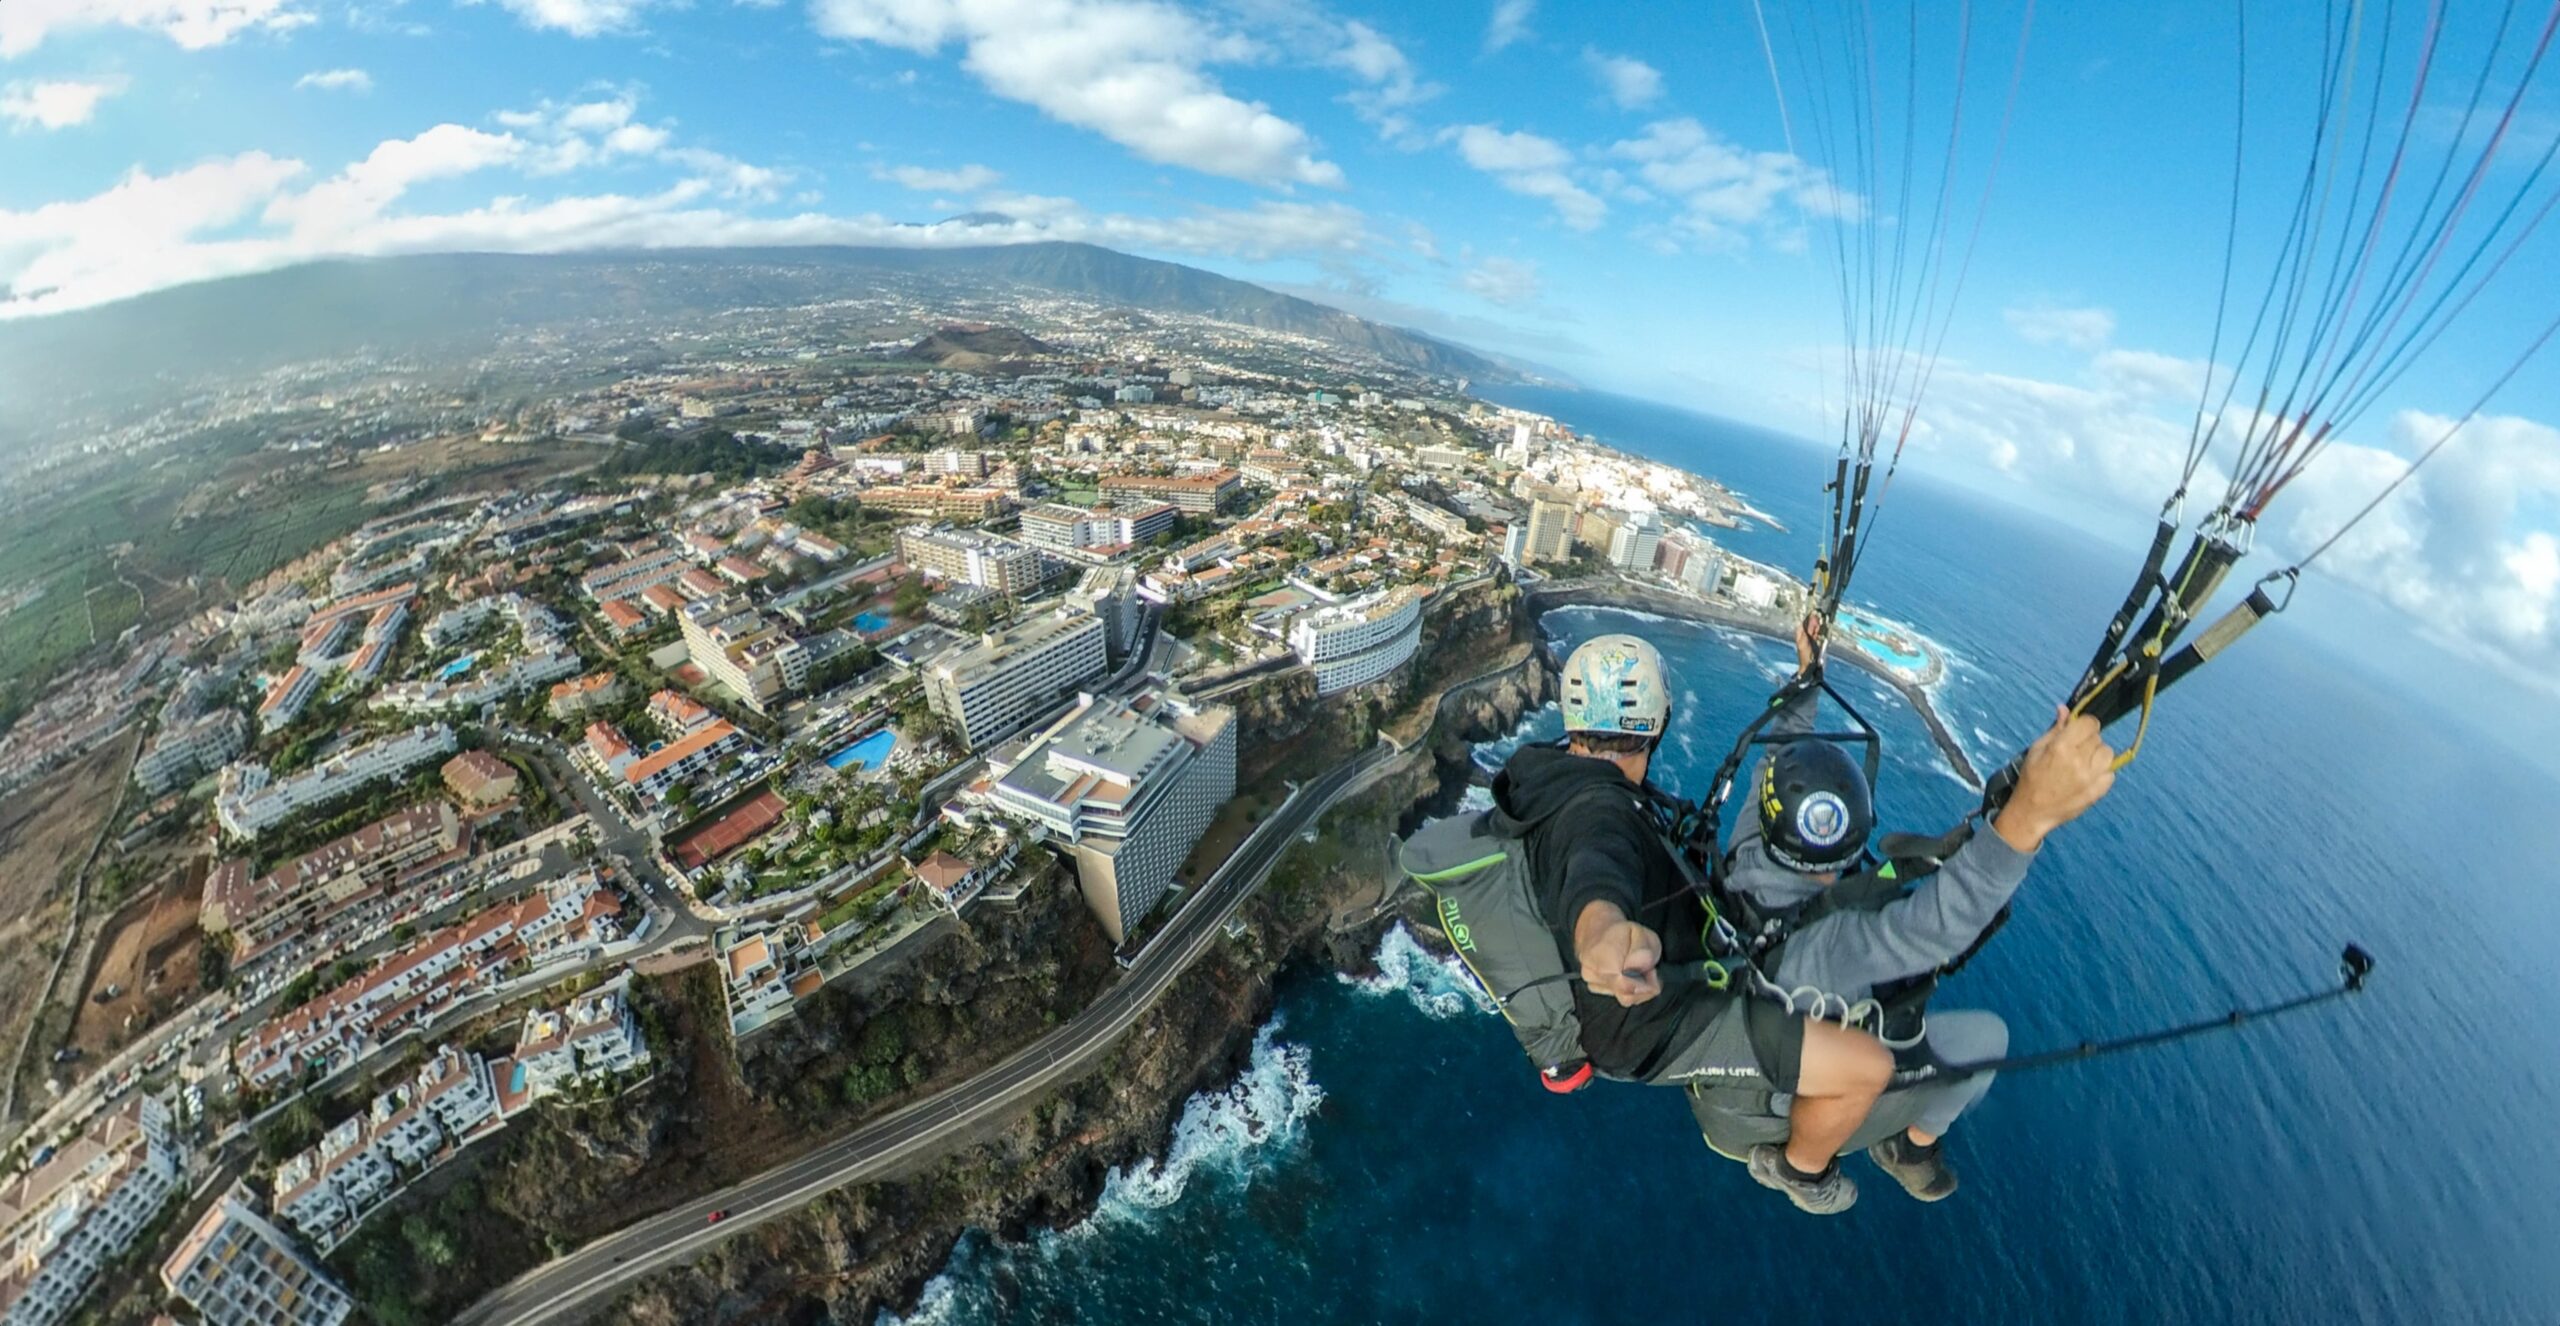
[(1458, 871)]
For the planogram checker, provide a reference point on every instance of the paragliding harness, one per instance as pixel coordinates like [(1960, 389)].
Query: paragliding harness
[(1475, 865)]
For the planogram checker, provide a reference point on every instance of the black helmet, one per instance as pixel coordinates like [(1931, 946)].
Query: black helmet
[(1815, 810)]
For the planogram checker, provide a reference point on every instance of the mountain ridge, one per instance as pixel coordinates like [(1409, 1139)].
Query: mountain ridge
[(415, 302)]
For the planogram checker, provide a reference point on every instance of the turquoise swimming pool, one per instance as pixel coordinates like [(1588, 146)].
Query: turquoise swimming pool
[(869, 753), (1882, 648), (457, 667), (867, 622)]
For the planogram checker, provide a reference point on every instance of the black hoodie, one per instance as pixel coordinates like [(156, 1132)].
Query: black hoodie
[(1608, 850)]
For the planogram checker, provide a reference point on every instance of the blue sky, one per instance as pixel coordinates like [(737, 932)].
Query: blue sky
[(1607, 189)]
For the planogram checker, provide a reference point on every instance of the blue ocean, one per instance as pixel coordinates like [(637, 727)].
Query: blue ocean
[(2391, 1158)]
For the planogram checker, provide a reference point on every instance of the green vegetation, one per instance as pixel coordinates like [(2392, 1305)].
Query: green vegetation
[(713, 451)]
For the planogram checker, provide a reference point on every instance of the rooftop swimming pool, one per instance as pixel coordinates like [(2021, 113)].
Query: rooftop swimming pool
[(867, 754)]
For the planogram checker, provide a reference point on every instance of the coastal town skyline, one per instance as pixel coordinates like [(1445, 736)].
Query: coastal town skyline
[(1646, 227)]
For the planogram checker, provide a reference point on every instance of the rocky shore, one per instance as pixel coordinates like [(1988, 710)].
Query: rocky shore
[(858, 1251)]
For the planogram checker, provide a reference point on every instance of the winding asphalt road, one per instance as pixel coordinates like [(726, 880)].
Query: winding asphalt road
[(571, 1287)]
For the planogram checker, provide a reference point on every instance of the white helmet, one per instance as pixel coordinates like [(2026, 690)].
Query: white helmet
[(1614, 683)]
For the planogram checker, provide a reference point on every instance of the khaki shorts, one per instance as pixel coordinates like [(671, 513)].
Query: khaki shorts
[(1747, 1038)]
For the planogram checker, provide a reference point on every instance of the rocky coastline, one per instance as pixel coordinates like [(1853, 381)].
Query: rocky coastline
[(860, 1251)]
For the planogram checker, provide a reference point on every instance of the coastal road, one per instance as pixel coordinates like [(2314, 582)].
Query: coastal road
[(584, 1281)]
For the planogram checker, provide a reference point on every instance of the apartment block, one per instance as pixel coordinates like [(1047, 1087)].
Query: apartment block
[(970, 557), (286, 699), (235, 1269), (187, 750), (733, 643), (1197, 495), (580, 695), (252, 801), (1126, 788), (683, 760), (1009, 677), (381, 858), (62, 1221)]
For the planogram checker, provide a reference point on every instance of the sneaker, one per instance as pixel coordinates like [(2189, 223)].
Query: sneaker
[(1922, 1171), (1828, 1193)]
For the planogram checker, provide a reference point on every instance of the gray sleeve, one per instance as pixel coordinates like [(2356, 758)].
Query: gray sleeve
[(1794, 718), (1851, 952)]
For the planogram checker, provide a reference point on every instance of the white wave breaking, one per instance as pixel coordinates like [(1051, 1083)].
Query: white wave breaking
[(1266, 1106), (1233, 1133), (1441, 987)]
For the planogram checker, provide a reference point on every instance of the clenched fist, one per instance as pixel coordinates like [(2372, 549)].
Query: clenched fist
[(1618, 956)]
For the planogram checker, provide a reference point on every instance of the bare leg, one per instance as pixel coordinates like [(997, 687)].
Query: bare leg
[(1841, 1075)]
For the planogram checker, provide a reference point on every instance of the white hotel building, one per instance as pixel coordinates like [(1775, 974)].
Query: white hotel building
[(1126, 787), (252, 801), (1360, 641), (61, 1221), (987, 691)]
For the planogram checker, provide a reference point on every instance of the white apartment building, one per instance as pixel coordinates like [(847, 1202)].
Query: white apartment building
[(683, 760), (79, 1210), (1126, 787), (625, 578), (183, 751), (235, 1269), (989, 689), (1067, 528), (1634, 545), (727, 638), (1352, 643), (285, 700), (595, 1037), (1110, 593), (971, 557), (480, 686), (252, 801)]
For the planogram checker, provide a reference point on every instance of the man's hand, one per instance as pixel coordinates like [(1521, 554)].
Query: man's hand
[(1618, 956), (1809, 633), (2065, 772)]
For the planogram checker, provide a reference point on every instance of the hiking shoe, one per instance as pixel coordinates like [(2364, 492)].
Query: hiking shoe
[(1922, 1171), (1827, 1193)]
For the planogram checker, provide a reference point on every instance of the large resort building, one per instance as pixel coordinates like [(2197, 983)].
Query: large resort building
[(971, 557), (1126, 787), (1357, 642), (1008, 678), (733, 643)]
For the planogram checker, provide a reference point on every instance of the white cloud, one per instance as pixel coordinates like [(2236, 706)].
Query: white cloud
[(578, 18), (926, 179), (336, 80), (60, 104), (1533, 166), (1723, 190), (2071, 328), (562, 137), (357, 195), (1630, 82), (1130, 70), (144, 232), (2463, 548), (1510, 23), (193, 24), (1390, 84), (1506, 281)]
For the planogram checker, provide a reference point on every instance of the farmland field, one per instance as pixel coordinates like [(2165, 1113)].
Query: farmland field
[(126, 545)]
